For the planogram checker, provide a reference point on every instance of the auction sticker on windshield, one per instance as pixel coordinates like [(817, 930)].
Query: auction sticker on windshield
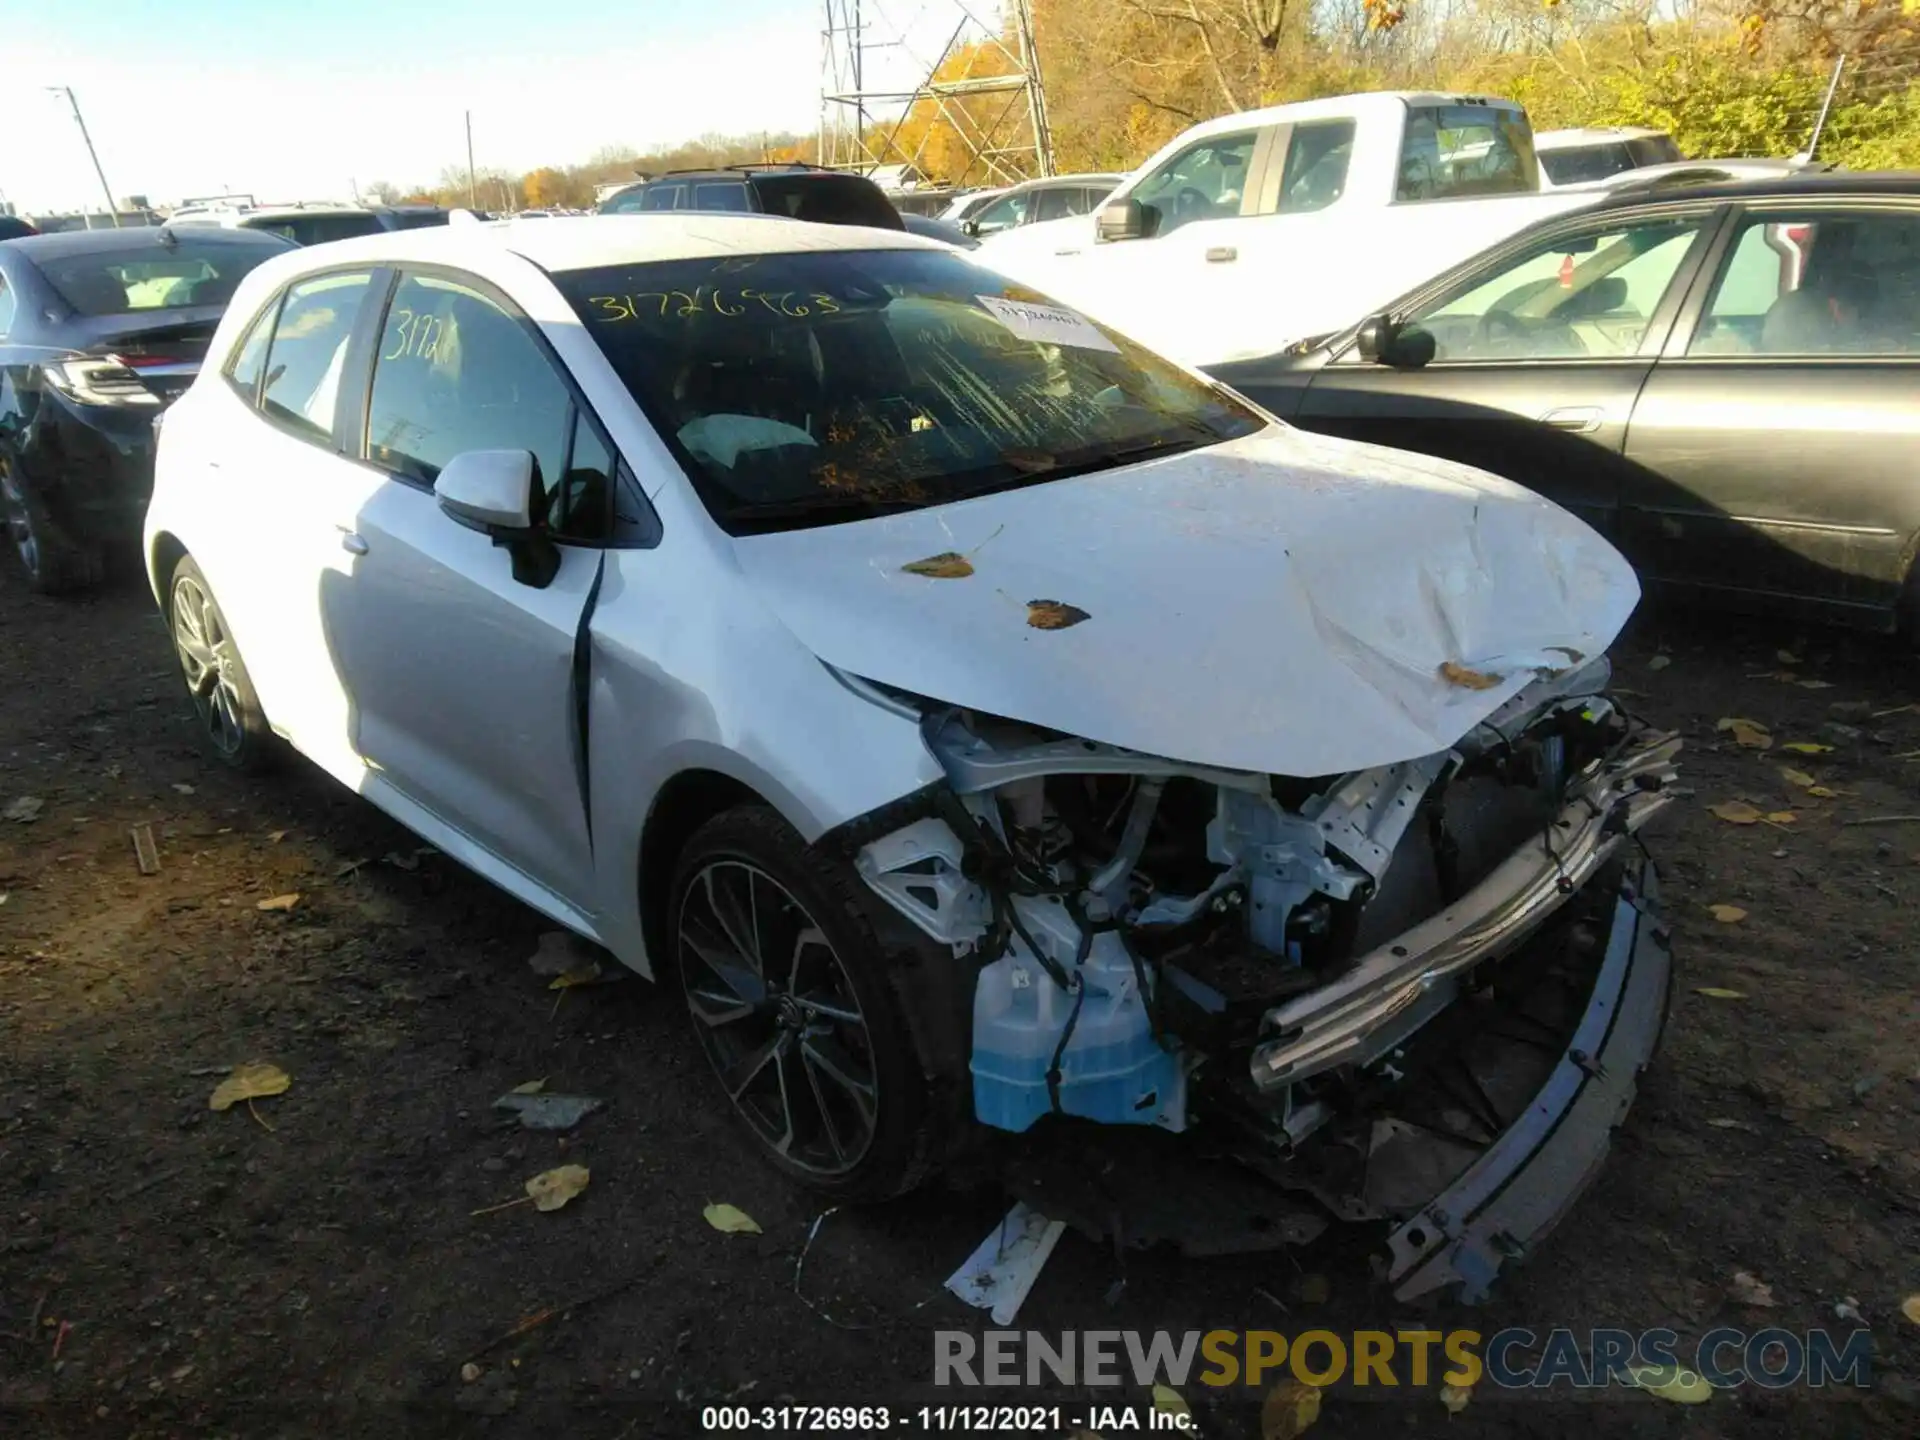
[(1046, 324)]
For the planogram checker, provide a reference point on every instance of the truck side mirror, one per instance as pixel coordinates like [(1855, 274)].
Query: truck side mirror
[(1122, 220)]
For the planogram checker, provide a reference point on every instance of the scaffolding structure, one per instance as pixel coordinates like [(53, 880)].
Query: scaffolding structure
[(861, 117)]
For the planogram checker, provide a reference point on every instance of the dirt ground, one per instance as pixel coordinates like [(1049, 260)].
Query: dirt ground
[(313, 1266)]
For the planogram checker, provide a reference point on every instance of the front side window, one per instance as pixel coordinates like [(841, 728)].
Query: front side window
[(309, 350), (456, 372), (243, 370), (1004, 213), (1058, 203), (662, 197), (1453, 150), (828, 386), (1205, 181), (1575, 297), (188, 273), (1315, 174), (1817, 284)]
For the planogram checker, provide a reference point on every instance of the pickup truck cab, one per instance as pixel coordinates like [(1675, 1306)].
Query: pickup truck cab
[(1257, 229)]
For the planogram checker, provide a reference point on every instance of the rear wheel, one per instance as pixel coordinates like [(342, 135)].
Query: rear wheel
[(54, 563), (232, 725), (792, 1002)]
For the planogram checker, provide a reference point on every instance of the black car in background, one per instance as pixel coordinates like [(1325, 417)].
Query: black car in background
[(1724, 380), (797, 192), (12, 227), (99, 331)]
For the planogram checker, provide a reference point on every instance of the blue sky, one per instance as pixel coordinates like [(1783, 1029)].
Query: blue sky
[(188, 97)]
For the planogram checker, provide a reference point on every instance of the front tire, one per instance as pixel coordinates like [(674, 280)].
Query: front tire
[(232, 725), (792, 1001)]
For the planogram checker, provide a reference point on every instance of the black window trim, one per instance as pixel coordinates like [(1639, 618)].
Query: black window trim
[(307, 437), (353, 419), (1706, 278), (260, 315)]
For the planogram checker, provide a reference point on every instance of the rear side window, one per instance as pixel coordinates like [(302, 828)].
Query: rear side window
[(721, 195), (661, 197), (1315, 173), (318, 229), (309, 350), (1450, 151), (243, 370), (1056, 204), (190, 272), (456, 372)]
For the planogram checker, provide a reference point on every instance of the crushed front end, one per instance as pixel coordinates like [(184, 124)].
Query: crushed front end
[(1417, 995)]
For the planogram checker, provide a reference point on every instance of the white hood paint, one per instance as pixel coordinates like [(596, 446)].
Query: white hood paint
[(1281, 603)]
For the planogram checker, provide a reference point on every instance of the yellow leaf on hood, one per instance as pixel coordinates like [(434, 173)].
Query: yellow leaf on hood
[(551, 1189), (1727, 914), (1290, 1409), (249, 1082), (1456, 674), (1750, 733), (1735, 812), (1671, 1382), (731, 1221), (948, 565)]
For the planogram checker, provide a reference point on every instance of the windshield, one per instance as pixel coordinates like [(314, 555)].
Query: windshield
[(813, 388), (180, 276)]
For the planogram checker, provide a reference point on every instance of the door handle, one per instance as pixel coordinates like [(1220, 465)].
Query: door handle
[(1220, 254), (351, 543), (1575, 419)]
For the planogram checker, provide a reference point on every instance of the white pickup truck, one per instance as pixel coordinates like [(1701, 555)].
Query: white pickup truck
[(1255, 230)]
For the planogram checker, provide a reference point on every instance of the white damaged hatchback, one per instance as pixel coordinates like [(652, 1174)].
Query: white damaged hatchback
[(1024, 756)]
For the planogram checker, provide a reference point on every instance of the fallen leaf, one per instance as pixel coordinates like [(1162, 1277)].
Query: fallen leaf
[(1786, 657), (1735, 812), (1719, 992), (1455, 1397), (249, 1082), (280, 902), (1822, 792), (551, 1189), (1807, 747), (276, 836), (1659, 662), (588, 974), (1750, 733), (948, 565), (1780, 817), (1910, 1307), (532, 1087), (1290, 1409), (1795, 777), (1312, 1289), (1054, 615), (399, 861), (1169, 1401), (730, 1221), (24, 810), (1671, 1382), (1814, 684), (1455, 674), (1749, 1289), (1727, 1122), (1727, 914), (470, 1372), (183, 789)]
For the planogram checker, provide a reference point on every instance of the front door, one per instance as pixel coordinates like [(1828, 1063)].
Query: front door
[(1783, 420), (461, 677), (1536, 361)]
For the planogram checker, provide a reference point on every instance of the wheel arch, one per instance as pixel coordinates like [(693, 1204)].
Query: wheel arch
[(163, 557), (686, 802)]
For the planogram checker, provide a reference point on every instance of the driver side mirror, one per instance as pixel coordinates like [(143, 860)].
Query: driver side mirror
[(498, 493), (1122, 220), (1381, 340)]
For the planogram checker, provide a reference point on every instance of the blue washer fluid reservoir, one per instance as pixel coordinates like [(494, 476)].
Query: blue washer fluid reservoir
[(1112, 1070)]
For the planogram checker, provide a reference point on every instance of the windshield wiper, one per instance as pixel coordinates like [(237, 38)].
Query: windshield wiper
[(807, 507)]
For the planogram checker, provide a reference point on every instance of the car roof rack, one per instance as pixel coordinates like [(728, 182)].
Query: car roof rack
[(749, 169)]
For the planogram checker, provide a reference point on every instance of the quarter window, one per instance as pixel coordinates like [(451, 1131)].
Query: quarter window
[(1205, 181), (243, 370), (456, 372), (1832, 284), (1575, 297), (309, 351)]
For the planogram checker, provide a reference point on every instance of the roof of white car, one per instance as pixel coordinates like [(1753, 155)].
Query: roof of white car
[(1597, 135), (592, 240), (1336, 105)]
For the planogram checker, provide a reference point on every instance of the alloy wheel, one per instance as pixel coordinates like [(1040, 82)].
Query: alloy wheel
[(18, 519), (778, 1017), (209, 662)]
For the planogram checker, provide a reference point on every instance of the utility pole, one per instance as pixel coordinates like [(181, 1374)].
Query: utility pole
[(472, 203), (1826, 104), (113, 209)]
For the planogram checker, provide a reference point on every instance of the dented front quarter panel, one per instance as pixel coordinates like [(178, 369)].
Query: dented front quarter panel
[(1280, 604)]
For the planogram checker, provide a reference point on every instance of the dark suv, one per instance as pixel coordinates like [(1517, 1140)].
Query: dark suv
[(798, 192)]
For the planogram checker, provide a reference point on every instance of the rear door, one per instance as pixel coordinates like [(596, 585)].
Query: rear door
[(461, 678), (1538, 357), (1782, 419)]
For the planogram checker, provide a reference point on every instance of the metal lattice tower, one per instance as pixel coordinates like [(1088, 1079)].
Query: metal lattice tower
[(861, 117)]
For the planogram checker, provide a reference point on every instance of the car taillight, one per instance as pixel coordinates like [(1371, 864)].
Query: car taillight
[(109, 380)]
